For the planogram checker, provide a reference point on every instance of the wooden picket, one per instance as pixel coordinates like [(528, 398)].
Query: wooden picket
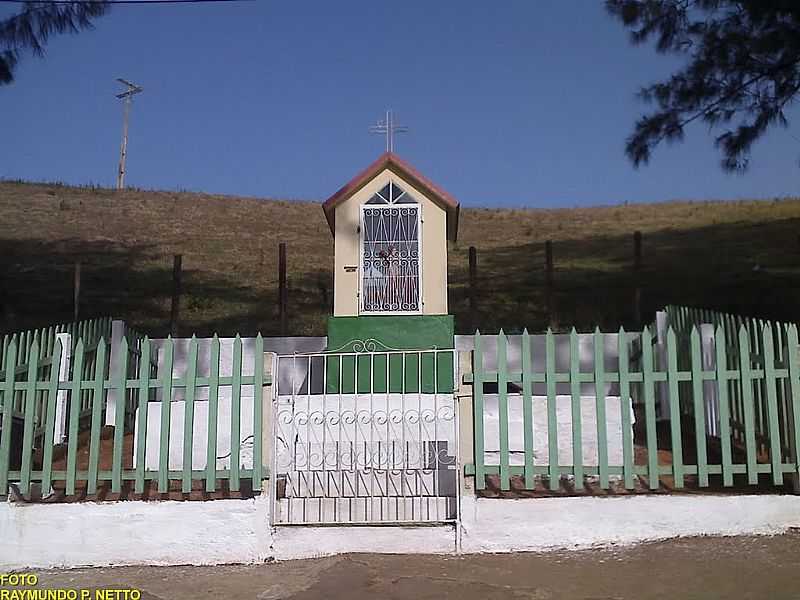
[(188, 416), (575, 394), (72, 435), (600, 408), (527, 409), (502, 391), (236, 394), (624, 395), (552, 419), (478, 412), (648, 379), (213, 395), (35, 393), (8, 394), (756, 379), (699, 408)]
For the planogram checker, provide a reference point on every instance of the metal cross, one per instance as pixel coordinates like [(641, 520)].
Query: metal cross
[(388, 128)]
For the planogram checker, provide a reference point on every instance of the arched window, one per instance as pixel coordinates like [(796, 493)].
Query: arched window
[(390, 253), (391, 194)]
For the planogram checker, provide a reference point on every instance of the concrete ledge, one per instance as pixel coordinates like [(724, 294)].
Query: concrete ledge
[(133, 533), (542, 524), (237, 531), (179, 533)]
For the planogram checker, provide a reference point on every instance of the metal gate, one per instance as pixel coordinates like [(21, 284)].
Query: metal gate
[(365, 437)]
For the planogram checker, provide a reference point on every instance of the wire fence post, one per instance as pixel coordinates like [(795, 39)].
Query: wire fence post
[(76, 291), (174, 313), (637, 267), (283, 292), (549, 285), (473, 291)]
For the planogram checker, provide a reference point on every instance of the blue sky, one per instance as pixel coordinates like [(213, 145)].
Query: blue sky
[(509, 103)]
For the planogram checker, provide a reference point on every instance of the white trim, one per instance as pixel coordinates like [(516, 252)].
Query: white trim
[(420, 297)]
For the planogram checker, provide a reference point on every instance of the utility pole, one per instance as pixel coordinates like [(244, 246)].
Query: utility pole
[(388, 128), (126, 97)]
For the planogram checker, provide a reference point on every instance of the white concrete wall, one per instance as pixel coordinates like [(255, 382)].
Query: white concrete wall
[(127, 533), (200, 422), (180, 533), (541, 455), (199, 434), (542, 524), (238, 531)]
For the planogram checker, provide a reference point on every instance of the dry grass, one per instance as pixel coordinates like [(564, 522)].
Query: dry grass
[(738, 256)]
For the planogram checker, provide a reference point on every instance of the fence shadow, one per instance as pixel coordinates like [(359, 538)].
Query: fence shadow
[(133, 283), (744, 268)]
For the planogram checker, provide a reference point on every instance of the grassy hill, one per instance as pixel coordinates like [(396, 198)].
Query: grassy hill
[(737, 256)]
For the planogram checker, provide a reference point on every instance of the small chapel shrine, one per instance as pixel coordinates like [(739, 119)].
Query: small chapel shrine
[(391, 226)]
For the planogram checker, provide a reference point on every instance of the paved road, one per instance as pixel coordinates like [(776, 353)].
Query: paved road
[(705, 568)]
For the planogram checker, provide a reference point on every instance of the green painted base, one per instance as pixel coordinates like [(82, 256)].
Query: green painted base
[(380, 333), (410, 372)]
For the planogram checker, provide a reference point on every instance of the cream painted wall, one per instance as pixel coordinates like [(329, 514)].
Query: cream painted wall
[(347, 240)]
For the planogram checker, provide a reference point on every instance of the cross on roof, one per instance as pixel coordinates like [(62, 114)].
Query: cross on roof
[(388, 128)]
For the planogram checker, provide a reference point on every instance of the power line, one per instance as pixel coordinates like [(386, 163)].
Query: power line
[(112, 2)]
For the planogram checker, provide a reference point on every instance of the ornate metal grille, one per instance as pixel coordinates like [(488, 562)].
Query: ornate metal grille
[(347, 455), (390, 263)]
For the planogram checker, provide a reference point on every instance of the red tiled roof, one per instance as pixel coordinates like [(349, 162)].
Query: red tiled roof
[(389, 160)]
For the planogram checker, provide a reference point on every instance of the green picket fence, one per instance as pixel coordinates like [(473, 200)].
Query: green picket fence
[(89, 330), (37, 347), (140, 391), (750, 417), (775, 373), (135, 364)]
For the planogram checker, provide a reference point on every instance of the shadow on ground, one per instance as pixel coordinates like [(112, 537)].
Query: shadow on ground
[(747, 268)]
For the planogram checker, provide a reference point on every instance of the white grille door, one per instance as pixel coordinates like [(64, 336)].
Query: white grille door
[(390, 259), (350, 448)]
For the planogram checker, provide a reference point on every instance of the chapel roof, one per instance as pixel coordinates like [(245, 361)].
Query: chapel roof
[(390, 160)]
